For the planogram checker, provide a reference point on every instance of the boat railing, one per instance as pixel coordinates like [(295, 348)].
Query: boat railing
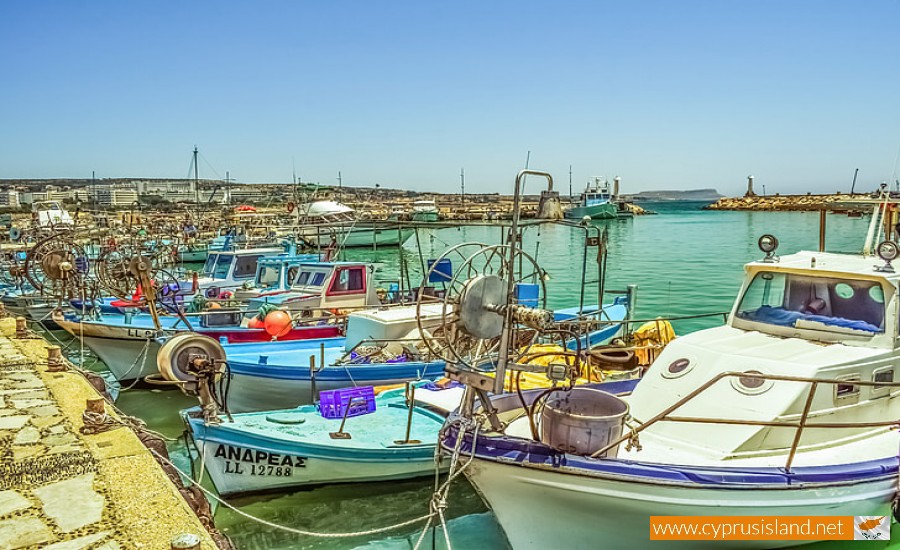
[(801, 424)]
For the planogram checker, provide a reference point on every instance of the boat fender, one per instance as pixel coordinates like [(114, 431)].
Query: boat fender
[(290, 207), (611, 357), (111, 242), (895, 506)]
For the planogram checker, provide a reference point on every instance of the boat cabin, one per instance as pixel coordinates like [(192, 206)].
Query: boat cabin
[(320, 286), (597, 192), (274, 274), (809, 315), (228, 270), (49, 214)]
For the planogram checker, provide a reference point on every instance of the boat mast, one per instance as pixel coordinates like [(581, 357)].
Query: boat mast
[(462, 186), (196, 178)]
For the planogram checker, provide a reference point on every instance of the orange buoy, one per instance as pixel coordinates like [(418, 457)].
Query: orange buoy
[(277, 323), (215, 305)]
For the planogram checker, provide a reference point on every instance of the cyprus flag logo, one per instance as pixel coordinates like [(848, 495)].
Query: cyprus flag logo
[(871, 528)]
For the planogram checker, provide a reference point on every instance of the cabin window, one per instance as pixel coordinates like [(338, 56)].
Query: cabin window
[(846, 390), (303, 278), (884, 375), (677, 368), (349, 280), (751, 385), (268, 276), (292, 274), (825, 304), (210, 263), (317, 279), (245, 266), (222, 267)]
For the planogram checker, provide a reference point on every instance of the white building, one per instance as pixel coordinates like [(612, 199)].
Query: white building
[(9, 198), (116, 195)]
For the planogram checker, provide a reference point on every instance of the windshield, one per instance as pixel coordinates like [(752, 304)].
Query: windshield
[(268, 276), (817, 303), (222, 267), (210, 264)]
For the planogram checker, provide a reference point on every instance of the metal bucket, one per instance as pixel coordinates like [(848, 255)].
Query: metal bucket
[(583, 421)]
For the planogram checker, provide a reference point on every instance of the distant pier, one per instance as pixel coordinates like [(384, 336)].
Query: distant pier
[(837, 202)]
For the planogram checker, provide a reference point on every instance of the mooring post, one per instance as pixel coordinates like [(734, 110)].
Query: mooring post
[(21, 328), (55, 362), (822, 230)]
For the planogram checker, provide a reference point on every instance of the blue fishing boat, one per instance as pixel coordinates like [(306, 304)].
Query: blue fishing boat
[(380, 438), (271, 375)]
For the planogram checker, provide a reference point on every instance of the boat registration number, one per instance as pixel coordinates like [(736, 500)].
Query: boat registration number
[(252, 462)]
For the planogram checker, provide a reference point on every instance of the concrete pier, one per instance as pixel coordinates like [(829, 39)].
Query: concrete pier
[(64, 490)]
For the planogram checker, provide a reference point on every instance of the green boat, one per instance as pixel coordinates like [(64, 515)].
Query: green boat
[(596, 203), (425, 211)]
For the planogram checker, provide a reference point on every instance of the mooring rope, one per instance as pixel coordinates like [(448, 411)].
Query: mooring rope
[(439, 498), (292, 530)]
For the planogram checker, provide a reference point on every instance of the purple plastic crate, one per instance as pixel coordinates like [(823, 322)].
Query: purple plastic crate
[(332, 403)]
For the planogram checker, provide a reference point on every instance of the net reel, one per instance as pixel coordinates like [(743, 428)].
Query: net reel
[(196, 363), (480, 311), (57, 266)]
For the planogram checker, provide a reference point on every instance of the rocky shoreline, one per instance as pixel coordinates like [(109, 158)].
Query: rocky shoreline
[(838, 202)]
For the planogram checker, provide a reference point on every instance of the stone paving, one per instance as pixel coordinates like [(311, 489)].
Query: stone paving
[(61, 490)]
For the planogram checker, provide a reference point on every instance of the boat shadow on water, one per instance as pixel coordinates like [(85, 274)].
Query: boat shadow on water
[(361, 507)]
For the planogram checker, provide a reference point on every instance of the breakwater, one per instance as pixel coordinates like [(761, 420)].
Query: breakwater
[(838, 202)]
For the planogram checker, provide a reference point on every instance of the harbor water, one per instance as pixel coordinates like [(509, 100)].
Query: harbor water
[(684, 261)]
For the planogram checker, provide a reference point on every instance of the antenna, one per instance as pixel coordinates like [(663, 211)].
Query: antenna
[(853, 186), (570, 183), (340, 187)]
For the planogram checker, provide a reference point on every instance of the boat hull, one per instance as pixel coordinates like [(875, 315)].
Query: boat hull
[(359, 237), (606, 211), (260, 387), (575, 509), (130, 352), (258, 452), (268, 471)]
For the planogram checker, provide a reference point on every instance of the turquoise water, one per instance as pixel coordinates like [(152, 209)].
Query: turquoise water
[(684, 261)]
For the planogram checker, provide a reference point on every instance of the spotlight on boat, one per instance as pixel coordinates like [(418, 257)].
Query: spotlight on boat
[(887, 251), (585, 220), (768, 244)]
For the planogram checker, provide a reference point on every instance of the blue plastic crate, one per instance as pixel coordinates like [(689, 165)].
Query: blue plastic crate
[(443, 273), (333, 403), (527, 294)]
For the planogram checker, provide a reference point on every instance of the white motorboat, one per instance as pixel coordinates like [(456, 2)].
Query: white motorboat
[(786, 410)]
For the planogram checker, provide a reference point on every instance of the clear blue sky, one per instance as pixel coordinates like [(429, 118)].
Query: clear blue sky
[(665, 94)]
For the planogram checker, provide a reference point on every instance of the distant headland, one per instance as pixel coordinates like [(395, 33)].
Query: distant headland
[(709, 195)]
